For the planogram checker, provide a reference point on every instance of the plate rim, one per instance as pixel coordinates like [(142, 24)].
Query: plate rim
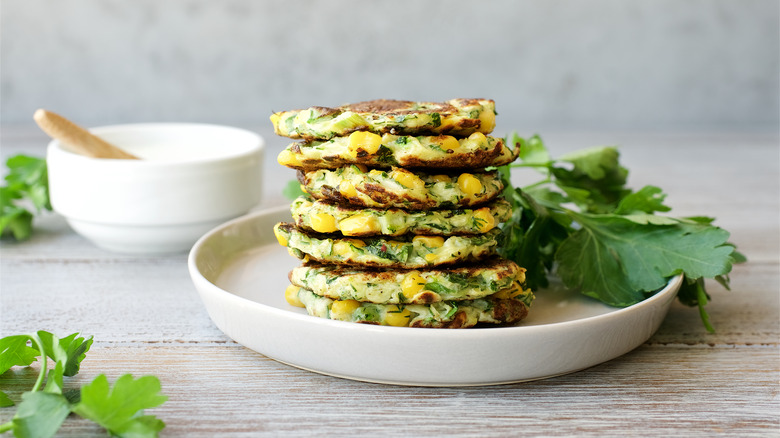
[(617, 312), (588, 331)]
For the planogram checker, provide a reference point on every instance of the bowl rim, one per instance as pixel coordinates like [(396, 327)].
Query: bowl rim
[(258, 144)]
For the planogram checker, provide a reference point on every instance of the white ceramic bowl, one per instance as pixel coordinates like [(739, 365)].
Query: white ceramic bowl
[(191, 178)]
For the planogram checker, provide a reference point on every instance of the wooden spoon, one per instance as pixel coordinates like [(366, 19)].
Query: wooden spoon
[(76, 138)]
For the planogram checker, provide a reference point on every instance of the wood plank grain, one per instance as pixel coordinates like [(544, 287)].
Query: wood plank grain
[(117, 301), (654, 391), (748, 314)]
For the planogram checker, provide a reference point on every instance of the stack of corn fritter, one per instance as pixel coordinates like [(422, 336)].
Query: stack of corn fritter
[(399, 224)]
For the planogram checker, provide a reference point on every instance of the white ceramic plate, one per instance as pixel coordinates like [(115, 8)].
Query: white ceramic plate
[(241, 271)]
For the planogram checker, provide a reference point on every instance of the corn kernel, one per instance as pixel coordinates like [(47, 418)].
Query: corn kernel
[(323, 223), (487, 121), (357, 243), (478, 137), (441, 178), (291, 296), (521, 276), (486, 221), (303, 188), (341, 248), (275, 119), (429, 241), (375, 173), (303, 116), (469, 184), (343, 308), (288, 158), (515, 291), (448, 142), (398, 317), (367, 141), (431, 257), (412, 284), (280, 237), (407, 179), (510, 292), (359, 224), (347, 189)]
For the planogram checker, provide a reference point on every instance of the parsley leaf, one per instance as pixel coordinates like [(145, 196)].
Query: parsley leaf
[(69, 351), (532, 151), (648, 199), (120, 409), (595, 181), (27, 181), (42, 412), (14, 351), (5, 401), (616, 260), (293, 190), (29, 176), (531, 235), (584, 225)]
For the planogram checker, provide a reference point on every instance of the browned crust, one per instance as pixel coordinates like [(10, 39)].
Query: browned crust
[(381, 196), (447, 213), (381, 106), (479, 158), (426, 297), (375, 265), (301, 175), (287, 227), (458, 321), (290, 227), (509, 311), (390, 108), (470, 102), (475, 160), (503, 267), (325, 111), (506, 311), (399, 107)]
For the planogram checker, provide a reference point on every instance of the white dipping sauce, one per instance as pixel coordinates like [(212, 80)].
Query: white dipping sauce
[(180, 142), (168, 151)]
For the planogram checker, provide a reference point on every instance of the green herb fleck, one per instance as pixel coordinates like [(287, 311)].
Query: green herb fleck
[(435, 120), (385, 156), (437, 287)]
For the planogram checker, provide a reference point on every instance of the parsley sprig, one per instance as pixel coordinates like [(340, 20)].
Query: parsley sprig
[(43, 409), (27, 181), (581, 223)]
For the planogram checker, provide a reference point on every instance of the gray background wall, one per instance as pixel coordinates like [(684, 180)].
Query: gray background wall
[(650, 65)]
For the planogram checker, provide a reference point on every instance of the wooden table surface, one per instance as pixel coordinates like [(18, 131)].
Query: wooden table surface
[(146, 318)]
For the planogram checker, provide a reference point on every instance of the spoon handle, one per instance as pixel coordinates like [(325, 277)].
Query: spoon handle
[(76, 138)]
